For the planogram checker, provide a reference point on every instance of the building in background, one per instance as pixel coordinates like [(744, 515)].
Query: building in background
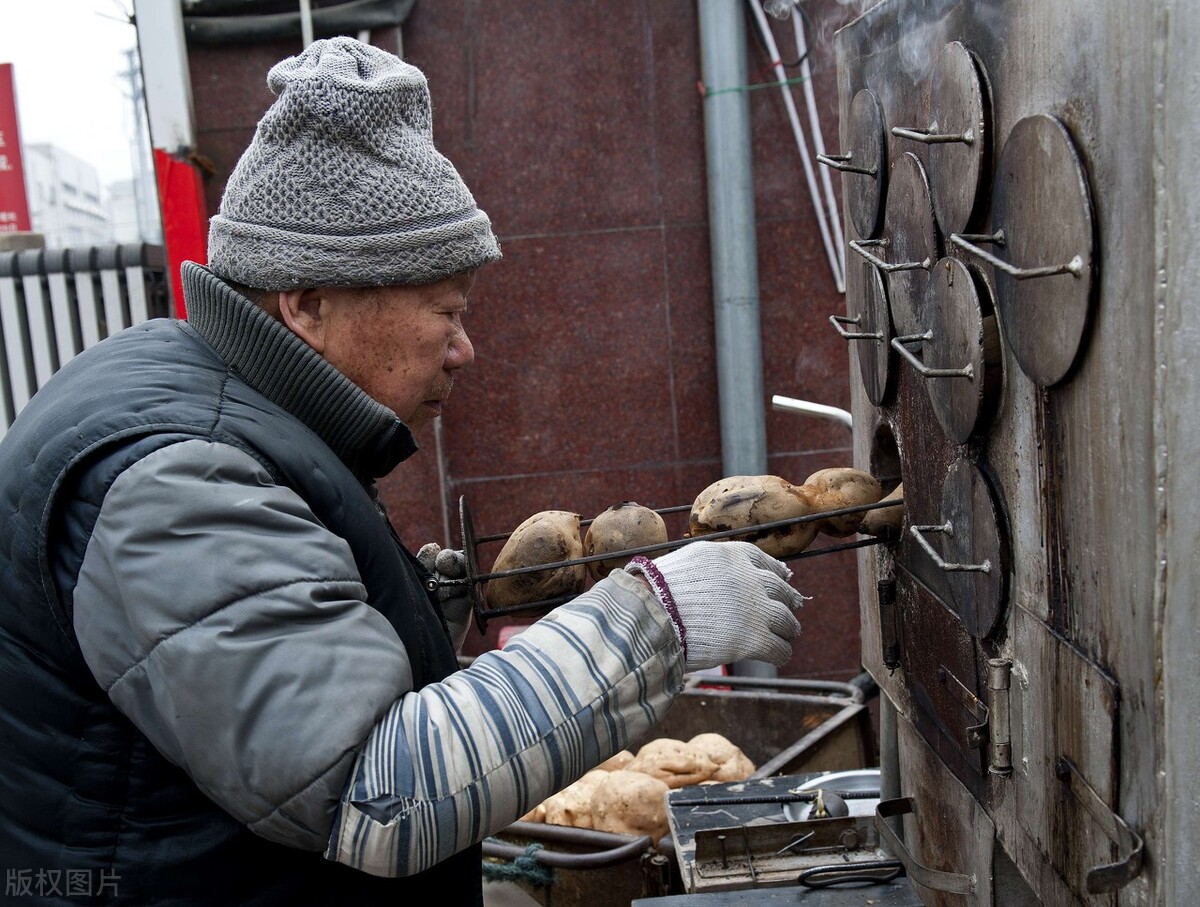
[(133, 209), (65, 202)]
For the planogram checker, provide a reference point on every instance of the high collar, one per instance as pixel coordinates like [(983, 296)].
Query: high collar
[(366, 435)]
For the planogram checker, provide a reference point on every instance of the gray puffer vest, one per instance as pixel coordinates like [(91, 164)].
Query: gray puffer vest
[(81, 788)]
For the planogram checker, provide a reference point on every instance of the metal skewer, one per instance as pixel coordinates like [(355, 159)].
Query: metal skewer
[(475, 579)]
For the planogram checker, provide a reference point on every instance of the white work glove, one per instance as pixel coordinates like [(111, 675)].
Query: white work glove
[(454, 598), (729, 601)]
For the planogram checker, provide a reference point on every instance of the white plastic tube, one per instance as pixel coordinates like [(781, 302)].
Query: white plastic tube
[(831, 250), (814, 122)]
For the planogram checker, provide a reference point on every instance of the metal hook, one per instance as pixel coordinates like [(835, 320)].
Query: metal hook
[(966, 242)]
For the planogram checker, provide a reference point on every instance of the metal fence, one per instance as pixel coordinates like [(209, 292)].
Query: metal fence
[(55, 303)]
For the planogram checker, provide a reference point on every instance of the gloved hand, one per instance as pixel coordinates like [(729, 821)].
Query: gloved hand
[(729, 601), (454, 598)]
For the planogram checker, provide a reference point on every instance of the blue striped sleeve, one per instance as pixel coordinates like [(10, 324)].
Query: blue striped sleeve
[(458, 760)]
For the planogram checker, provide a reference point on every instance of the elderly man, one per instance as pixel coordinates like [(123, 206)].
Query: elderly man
[(222, 680)]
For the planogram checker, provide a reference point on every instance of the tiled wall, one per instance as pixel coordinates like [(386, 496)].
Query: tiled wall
[(578, 125)]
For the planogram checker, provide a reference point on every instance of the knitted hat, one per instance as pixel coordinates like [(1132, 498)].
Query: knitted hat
[(342, 186)]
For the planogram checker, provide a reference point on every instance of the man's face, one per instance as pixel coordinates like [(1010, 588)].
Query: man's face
[(401, 345)]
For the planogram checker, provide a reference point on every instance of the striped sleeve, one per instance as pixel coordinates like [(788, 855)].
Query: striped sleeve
[(458, 760)]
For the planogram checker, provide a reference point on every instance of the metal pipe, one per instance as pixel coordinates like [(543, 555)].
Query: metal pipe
[(734, 250), (306, 28), (792, 405), (732, 239)]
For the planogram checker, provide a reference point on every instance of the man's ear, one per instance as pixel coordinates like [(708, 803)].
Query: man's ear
[(305, 314)]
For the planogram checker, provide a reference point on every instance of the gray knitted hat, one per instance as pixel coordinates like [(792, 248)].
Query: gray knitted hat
[(342, 186)]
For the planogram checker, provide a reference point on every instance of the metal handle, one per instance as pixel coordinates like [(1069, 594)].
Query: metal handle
[(946, 527), (838, 320), (952, 882), (966, 241), (619, 848), (859, 246), (1107, 876), (842, 162), (931, 136), (898, 344)]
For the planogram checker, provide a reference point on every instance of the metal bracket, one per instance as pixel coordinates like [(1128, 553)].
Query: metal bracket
[(838, 320), (948, 528), (977, 734), (860, 246), (1107, 876), (966, 242), (842, 162), (931, 136), (898, 344), (952, 882)]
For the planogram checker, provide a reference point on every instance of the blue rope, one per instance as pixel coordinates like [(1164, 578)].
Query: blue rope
[(524, 868)]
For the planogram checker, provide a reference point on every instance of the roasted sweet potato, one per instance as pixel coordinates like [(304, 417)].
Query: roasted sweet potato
[(619, 528), (840, 487), (548, 537), (739, 502)]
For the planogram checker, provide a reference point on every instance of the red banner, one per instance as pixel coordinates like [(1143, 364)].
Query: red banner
[(14, 205)]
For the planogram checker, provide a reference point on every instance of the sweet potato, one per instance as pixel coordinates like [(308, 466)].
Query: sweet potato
[(630, 803), (886, 521), (732, 763), (547, 537), (739, 502), (619, 528), (573, 804), (673, 762), (840, 487)]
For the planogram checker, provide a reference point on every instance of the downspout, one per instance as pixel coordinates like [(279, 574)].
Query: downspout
[(733, 248)]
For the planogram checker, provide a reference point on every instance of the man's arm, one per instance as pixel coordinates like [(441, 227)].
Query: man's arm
[(231, 627), (515, 727)]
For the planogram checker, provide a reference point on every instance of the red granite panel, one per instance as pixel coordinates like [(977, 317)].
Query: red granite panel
[(803, 357), (570, 370), (693, 342), (562, 140), (229, 81), (678, 111)]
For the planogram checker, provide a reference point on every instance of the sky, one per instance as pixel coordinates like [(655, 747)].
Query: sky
[(67, 57)]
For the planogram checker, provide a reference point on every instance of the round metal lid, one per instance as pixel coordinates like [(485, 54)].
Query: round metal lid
[(962, 339), (960, 109), (974, 539), (875, 357), (868, 152), (869, 329), (1042, 218), (910, 238)]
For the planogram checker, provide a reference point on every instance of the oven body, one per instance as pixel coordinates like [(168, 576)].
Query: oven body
[(1036, 632)]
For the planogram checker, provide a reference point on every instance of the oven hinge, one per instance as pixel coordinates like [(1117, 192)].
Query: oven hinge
[(999, 680), (991, 718), (889, 637)]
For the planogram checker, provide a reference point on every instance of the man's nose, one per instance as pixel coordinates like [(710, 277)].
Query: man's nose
[(461, 352)]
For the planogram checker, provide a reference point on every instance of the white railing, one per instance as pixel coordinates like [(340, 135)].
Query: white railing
[(55, 303)]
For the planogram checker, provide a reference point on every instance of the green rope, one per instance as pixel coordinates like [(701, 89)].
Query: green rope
[(524, 868), (708, 93)]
